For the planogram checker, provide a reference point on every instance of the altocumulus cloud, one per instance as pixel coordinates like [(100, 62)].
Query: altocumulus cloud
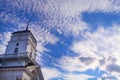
[(102, 45), (3, 41), (98, 49)]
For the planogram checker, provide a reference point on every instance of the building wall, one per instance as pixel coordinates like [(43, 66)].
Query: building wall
[(26, 76), (14, 75), (13, 63), (12, 66), (10, 75), (26, 44), (21, 39)]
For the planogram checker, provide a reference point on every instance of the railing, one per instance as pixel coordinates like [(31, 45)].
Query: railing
[(18, 55), (4, 56)]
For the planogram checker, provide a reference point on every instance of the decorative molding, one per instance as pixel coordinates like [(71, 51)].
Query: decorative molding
[(12, 69), (25, 69)]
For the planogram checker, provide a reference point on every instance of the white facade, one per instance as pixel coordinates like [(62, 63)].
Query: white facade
[(23, 41), (14, 74), (18, 62)]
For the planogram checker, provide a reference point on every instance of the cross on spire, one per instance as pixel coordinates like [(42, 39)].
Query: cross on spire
[(27, 25)]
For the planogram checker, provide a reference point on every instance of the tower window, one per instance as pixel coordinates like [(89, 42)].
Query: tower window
[(17, 44), (30, 54), (16, 50)]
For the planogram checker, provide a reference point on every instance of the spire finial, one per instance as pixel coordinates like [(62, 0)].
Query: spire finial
[(27, 25)]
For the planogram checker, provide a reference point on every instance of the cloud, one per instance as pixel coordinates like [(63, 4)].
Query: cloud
[(73, 64), (100, 47), (110, 77), (73, 8), (86, 60), (63, 16), (4, 38), (50, 73), (2, 49), (75, 29), (70, 64), (77, 77), (113, 68), (43, 35)]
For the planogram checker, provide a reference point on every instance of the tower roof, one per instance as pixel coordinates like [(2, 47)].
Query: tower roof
[(25, 31)]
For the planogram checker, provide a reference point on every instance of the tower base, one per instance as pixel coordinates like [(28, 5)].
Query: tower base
[(20, 73)]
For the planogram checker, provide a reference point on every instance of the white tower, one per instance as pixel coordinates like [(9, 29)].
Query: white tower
[(18, 62)]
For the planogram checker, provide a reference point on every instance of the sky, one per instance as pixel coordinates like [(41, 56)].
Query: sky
[(76, 39)]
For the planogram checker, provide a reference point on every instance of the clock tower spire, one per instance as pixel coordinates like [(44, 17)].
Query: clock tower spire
[(18, 62), (27, 25)]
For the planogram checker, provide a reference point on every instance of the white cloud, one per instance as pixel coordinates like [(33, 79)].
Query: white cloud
[(2, 49), (74, 29), (72, 8), (98, 49), (113, 68), (103, 46), (77, 77), (43, 35), (67, 7), (50, 73), (110, 77), (4, 38), (62, 15), (72, 64)]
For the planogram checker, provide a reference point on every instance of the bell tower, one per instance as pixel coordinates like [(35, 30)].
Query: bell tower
[(18, 62)]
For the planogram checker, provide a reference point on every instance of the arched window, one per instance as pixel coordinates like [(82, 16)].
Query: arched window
[(16, 50), (30, 54), (17, 44)]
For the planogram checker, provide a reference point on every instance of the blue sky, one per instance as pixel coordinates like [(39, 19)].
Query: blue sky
[(77, 40)]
